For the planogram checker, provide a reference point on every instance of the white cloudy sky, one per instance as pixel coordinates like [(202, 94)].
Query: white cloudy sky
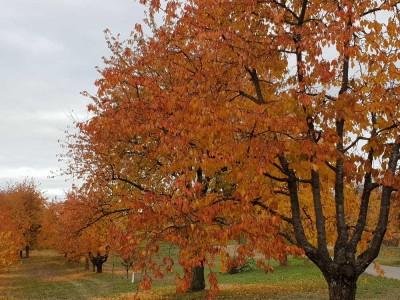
[(48, 53)]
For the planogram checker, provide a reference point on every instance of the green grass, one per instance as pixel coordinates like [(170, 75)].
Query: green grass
[(46, 276), (389, 256), (300, 279)]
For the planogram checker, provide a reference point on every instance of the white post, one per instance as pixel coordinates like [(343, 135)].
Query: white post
[(133, 277)]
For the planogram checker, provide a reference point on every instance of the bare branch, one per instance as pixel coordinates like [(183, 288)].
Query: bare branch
[(359, 138)]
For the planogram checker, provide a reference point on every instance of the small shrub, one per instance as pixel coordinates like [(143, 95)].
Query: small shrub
[(235, 266)]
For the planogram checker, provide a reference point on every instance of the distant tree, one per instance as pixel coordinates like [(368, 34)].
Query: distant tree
[(99, 258), (49, 234), (72, 234), (25, 204)]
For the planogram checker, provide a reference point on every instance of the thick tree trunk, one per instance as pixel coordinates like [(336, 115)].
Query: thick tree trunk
[(98, 261), (342, 288), (198, 281), (99, 267)]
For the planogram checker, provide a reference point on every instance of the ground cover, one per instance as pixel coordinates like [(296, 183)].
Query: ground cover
[(47, 276), (390, 256)]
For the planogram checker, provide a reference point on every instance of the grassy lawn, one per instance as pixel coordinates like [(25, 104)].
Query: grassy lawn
[(46, 276), (389, 256), (299, 280)]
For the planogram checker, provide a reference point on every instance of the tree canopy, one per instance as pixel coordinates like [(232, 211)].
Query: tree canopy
[(272, 121)]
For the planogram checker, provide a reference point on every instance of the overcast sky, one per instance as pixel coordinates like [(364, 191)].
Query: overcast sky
[(48, 53)]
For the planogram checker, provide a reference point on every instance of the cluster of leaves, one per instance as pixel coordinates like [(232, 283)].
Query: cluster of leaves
[(275, 121), (10, 241)]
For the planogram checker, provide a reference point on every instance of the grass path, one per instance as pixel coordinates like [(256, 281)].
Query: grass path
[(45, 276)]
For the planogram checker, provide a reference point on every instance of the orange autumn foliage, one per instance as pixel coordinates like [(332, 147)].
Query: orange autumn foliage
[(21, 208), (272, 121), (11, 240), (72, 238)]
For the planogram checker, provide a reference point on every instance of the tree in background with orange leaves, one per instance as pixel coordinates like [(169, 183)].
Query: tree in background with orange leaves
[(21, 208)]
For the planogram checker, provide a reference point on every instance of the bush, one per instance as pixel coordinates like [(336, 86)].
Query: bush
[(235, 266)]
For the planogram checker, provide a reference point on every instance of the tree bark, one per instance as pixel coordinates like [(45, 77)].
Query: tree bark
[(342, 288), (198, 281), (100, 267)]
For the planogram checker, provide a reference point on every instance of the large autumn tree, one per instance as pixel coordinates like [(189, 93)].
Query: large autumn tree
[(295, 102)]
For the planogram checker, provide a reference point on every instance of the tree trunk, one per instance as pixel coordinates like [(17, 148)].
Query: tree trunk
[(98, 261), (86, 263), (198, 281), (284, 261), (342, 288), (99, 267)]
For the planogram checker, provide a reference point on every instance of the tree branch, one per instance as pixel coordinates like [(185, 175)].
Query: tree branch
[(276, 178), (272, 212), (351, 145), (341, 226), (319, 215), (256, 82), (365, 258), (104, 214), (295, 208), (250, 97)]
